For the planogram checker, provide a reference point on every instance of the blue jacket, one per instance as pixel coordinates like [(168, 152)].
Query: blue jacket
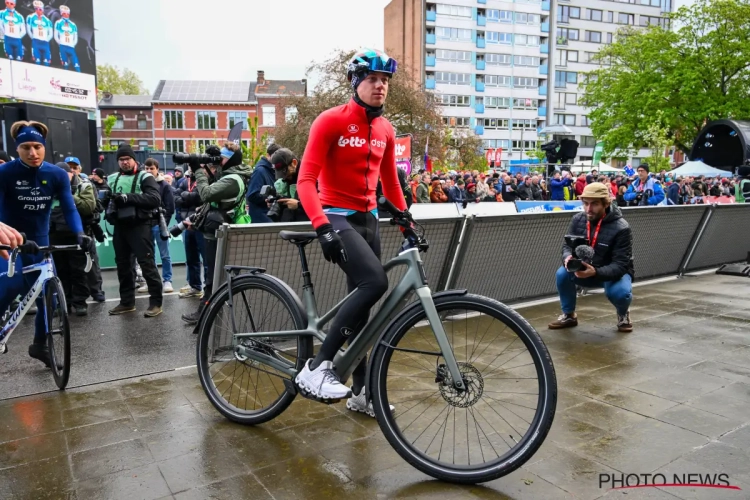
[(673, 192), (557, 187), (263, 175), (26, 195), (632, 193)]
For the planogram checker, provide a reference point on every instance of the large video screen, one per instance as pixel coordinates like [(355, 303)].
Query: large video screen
[(48, 51)]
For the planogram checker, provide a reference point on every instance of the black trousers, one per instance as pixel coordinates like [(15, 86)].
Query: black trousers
[(70, 268), (94, 276), (210, 261), (133, 243)]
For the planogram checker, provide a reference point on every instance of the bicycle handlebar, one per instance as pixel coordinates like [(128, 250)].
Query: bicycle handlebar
[(413, 231), (30, 247)]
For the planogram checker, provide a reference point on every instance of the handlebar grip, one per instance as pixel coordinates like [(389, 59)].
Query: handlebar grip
[(29, 247), (384, 203)]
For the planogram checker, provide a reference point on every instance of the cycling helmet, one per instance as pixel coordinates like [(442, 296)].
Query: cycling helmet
[(366, 61)]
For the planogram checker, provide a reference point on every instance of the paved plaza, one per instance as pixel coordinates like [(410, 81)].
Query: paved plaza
[(672, 397)]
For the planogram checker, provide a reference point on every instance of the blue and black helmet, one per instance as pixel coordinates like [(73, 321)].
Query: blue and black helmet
[(367, 61)]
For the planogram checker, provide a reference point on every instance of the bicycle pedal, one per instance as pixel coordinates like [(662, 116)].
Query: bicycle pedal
[(308, 395)]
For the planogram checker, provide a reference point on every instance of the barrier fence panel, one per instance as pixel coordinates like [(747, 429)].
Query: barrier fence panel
[(259, 245), (725, 240)]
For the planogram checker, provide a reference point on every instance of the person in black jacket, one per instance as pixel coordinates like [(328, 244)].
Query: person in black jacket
[(263, 175), (167, 205), (187, 200), (286, 165), (611, 266)]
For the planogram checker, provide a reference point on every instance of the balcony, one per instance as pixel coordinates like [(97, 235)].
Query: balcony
[(480, 86), (431, 38), (479, 129), (429, 84), (479, 108), (480, 43), (481, 64), (545, 5), (542, 69), (482, 1), (429, 61), (544, 48), (561, 40), (545, 27), (543, 90), (481, 20), (432, 15), (542, 111)]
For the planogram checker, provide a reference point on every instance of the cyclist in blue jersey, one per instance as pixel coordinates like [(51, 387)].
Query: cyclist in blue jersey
[(27, 187)]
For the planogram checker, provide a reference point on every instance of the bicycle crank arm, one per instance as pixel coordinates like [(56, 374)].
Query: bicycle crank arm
[(242, 351), (425, 296)]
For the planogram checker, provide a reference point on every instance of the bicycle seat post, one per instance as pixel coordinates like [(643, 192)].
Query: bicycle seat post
[(306, 280)]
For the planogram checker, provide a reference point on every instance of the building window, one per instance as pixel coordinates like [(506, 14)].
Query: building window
[(493, 123), (565, 13), (142, 145), (594, 36), (119, 122), (142, 122), (460, 56), (453, 10), (650, 21), (495, 143), (236, 117), (207, 120), (203, 144), (588, 141), (452, 78), (588, 57), (610, 17), (174, 120), (594, 15), (564, 99), (623, 18), (566, 56), (290, 113), (521, 103), (453, 34), (498, 59), (175, 146), (498, 37), (523, 145), (456, 121), (525, 124), (562, 78), (497, 102), (116, 142), (565, 34), (460, 101), (525, 61), (524, 18), (269, 116), (497, 81), (527, 40), (585, 122), (609, 37), (500, 16), (565, 119), (523, 82)]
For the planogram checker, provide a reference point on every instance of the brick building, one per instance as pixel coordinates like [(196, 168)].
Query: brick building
[(134, 123)]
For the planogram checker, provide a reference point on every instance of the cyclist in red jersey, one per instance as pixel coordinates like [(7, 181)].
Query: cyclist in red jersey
[(349, 149)]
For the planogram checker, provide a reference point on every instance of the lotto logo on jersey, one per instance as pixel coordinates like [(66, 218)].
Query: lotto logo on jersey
[(354, 142)]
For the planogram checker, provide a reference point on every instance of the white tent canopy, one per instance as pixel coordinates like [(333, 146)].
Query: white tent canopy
[(585, 166), (694, 168)]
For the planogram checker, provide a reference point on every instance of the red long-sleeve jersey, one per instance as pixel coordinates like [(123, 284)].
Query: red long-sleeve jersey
[(345, 155)]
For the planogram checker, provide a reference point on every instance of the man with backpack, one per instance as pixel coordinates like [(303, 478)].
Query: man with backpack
[(223, 187)]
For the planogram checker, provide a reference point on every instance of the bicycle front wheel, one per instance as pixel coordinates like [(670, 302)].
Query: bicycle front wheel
[(478, 434), (58, 331), (243, 390)]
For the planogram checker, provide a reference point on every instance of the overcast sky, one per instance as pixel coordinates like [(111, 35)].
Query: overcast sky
[(230, 40)]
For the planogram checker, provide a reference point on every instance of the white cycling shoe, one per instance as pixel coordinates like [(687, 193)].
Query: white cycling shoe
[(322, 382), (360, 404)]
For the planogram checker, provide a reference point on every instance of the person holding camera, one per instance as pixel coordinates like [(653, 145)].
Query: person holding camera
[(263, 175), (644, 190), (286, 165), (131, 206), (167, 211), (187, 200), (597, 252), (223, 188), (71, 266)]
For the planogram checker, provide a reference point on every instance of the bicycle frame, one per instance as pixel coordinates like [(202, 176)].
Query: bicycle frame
[(345, 362)]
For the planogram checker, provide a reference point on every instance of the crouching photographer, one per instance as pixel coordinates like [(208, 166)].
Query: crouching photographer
[(222, 189), (282, 198), (597, 252)]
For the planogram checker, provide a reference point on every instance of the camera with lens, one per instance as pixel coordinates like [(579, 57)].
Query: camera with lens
[(159, 215), (195, 161), (178, 228), (272, 197)]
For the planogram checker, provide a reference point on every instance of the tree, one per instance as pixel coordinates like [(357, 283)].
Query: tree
[(680, 79), (409, 108), (252, 153), (107, 124), (110, 79), (657, 140)]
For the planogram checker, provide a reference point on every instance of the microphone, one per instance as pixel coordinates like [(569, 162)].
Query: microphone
[(585, 253)]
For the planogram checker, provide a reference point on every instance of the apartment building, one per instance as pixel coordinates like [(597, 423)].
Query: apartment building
[(133, 119), (489, 61)]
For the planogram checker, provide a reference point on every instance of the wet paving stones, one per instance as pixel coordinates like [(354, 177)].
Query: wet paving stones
[(672, 397)]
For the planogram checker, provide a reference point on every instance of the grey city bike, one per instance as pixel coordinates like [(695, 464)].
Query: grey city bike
[(472, 384)]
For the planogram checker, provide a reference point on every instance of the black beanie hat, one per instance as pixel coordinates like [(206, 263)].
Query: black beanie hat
[(125, 150)]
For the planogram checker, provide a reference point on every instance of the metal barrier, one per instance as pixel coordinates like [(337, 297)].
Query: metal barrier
[(507, 257)]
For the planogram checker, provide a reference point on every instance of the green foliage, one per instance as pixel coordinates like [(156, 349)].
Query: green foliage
[(677, 79), (657, 140), (256, 149), (110, 79), (537, 154), (107, 124)]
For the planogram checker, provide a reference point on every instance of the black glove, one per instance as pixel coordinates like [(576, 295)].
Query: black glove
[(330, 241), (84, 242), (121, 199)]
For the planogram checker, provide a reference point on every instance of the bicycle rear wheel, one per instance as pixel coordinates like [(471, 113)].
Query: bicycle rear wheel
[(244, 390), (58, 331), (479, 434)]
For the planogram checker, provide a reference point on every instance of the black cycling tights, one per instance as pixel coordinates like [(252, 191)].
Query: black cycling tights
[(364, 272)]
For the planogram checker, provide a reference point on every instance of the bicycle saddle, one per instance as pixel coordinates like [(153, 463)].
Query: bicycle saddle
[(298, 238)]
